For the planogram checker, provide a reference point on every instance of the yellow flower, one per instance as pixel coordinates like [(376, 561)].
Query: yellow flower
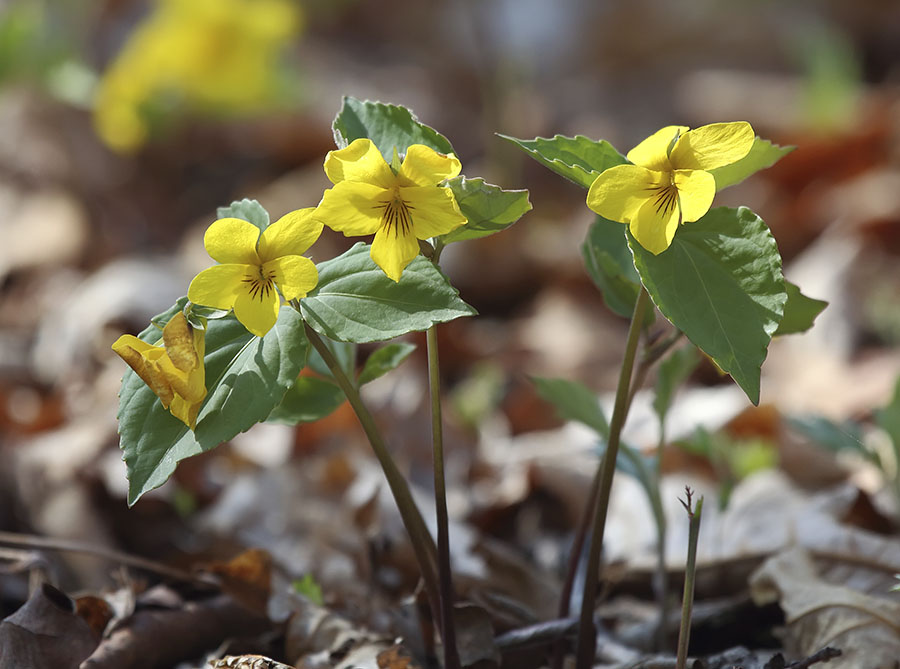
[(668, 182), (398, 208), (174, 371), (208, 56), (254, 265)]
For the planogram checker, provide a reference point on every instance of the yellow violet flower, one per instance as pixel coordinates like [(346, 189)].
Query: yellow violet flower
[(398, 208), (174, 371), (668, 182), (253, 266)]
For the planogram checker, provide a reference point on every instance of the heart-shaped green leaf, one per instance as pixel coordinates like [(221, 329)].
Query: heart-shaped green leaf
[(246, 377), (488, 208), (720, 283), (579, 159), (388, 126), (355, 301)]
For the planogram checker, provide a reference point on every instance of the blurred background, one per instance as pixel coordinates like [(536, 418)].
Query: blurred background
[(124, 124)]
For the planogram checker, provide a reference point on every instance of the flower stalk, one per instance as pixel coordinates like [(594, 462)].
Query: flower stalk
[(587, 639), (422, 543), (684, 633), (448, 628)]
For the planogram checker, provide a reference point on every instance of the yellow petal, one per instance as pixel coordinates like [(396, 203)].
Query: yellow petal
[(178, 338), (696, 190), (134, 352), (232, 240), (258, 314), (712, 146), (653, 152), (352, 208), (423, 166), (360, 161), (654, 227), (185, 410), (392, 250), (295, 276), (434, 211), (619, 192), (218, 286), (145, 360), (290, 235)]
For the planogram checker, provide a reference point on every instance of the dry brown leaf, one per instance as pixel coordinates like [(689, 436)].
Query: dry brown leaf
[(819, 614), (45, 633), (247, 578)]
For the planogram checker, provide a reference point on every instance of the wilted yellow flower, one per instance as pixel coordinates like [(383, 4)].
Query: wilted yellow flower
[(668, 182), (211, 56), (253, 265), (399, 209), (174, 371)]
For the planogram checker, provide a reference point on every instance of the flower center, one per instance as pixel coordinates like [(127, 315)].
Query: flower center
[(396, 215), (665, 199), (260, 284)]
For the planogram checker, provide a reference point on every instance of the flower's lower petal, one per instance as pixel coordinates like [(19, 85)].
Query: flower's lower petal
[(696, 190), (711, 146), (653, 152), (360, 161), (232, 240), (619, 192), (218, 286), (433, 210), (290, 235), (295, 276), (257, 313), (423, 166), (186, 410), (352, 208), (653, 228), (392, 250)]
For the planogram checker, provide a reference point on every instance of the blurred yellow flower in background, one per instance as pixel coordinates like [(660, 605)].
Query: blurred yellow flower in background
[(174, 371), (202, 56)]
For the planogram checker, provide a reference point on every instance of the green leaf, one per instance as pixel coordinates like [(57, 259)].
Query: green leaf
[(309, 588), (343, 351), (308, 400), (355, 301), (673, 371), (489, 208), (609, 264), (246, 376), (720, 283), (383, 360), (836, 437), (800, 311), (573, 401), (888, 419), (388, 126), (247, 210), (579, 159), (762, 154)]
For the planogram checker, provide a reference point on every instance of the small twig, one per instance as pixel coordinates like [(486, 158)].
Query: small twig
[(539, 634), (684, 633), (70, 546), (824, 655)]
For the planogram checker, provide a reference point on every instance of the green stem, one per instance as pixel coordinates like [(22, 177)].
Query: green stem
[(448, 629), (587, 638), (684, 633), (422, 543)]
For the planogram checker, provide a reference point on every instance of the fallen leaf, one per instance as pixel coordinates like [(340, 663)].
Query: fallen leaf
[(864, 627)]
